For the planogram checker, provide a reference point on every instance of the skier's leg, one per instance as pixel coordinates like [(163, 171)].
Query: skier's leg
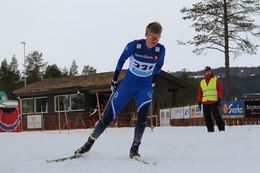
[(99, 129), (144, 99), (103, 123), (141, 122), (207, 117), (117, 102), (139, 130)]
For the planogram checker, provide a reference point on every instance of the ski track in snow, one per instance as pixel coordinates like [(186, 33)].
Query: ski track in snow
[(174, 149)]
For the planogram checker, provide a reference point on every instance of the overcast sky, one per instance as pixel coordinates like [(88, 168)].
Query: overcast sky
[(95, 32)]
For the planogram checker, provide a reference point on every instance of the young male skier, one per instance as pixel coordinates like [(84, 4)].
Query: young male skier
[(146, 60)]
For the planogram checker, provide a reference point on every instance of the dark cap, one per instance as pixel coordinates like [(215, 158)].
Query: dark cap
[(207, 68)]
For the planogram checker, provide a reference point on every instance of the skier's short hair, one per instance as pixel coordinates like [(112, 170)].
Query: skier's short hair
[(154, 27)]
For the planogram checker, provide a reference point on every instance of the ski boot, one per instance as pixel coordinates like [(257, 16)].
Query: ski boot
[(134, 150), (86, 147)]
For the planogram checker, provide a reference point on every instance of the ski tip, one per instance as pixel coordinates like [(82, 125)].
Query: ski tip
[(64, 158), (139, 159)]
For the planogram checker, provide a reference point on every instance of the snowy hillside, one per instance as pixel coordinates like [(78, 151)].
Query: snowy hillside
[(174, 149)]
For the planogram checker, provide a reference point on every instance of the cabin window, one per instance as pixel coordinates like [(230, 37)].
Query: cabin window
[(41, 104), (77, 102), (28, 106), (72, 102), (61, 103)]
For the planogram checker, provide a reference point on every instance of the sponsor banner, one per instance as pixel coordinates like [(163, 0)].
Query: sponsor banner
[(233, 109), (195, 112), (177, 113), (165, 117), (34, 121), (186, 112), (252, 108)]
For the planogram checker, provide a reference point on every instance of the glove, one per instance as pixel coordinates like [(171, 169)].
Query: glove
[(114, 85), (219, 101), (199, 105)]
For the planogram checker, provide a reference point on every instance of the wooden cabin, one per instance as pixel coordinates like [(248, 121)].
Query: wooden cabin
[(78, 101)]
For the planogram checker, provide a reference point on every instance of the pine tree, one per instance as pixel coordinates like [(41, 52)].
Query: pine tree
[(35, 67), (9, 76), (87, 69), (225, 26), (4, 70), (52, 71), (65, 71), (73, 68), (14, 65)]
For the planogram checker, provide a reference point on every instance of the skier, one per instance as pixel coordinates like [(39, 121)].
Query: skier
[(146, 60)]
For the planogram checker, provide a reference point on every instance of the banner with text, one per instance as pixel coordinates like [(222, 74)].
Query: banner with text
[(233, 109)]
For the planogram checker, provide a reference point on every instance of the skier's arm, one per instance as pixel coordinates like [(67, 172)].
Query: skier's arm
[(159, 64), (124, 56), (158, 67)]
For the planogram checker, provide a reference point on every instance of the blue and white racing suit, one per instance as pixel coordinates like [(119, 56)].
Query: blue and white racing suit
[(144, 64)]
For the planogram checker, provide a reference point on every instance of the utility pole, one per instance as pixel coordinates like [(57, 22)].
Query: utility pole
[(24, 62)]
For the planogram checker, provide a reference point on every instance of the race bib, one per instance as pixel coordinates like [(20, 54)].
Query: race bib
[(141, 69)]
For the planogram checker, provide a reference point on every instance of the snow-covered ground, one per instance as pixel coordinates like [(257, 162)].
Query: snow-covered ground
[(175, 149)]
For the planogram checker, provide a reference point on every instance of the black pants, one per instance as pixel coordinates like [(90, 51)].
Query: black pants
[(207, 110)]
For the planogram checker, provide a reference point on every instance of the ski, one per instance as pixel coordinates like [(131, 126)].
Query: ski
[(137, 158), (79, 156), (64, 158)]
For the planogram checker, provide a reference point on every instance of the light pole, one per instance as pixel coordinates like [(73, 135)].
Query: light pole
[(24, 62)]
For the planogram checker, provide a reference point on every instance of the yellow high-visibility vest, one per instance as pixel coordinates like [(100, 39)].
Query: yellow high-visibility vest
[(209, 91)]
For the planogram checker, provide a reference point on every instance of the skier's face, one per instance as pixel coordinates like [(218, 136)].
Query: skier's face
[(152, 39)]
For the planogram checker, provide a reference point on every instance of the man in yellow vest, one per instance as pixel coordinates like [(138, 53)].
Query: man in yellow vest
[(210, 95)]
